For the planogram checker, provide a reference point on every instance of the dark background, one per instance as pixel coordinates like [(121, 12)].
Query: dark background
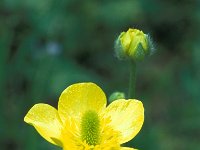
[(47, 45)]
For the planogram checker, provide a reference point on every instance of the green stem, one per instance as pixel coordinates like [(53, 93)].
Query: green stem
[(132, 82)]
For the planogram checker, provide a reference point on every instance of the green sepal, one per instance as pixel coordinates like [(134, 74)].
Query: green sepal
[(139, 54)]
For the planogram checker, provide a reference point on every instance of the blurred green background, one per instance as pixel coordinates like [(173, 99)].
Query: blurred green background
[(47, 45)]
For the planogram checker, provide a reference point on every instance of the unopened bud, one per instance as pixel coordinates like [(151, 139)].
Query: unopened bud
[(116, 95), (133, 44)]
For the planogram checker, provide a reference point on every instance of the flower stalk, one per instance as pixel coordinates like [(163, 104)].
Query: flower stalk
[(132, 80)]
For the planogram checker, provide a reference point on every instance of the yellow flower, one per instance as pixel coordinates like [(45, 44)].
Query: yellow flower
[(83, 122), (133, 44)]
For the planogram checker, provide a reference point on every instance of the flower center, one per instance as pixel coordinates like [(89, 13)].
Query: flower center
[(90, 128)]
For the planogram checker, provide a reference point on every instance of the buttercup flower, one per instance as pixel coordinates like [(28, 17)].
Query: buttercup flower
[(133, 44), (83, 122)]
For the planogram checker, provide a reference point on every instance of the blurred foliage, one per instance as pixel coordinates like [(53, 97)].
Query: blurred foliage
[(47, 45)]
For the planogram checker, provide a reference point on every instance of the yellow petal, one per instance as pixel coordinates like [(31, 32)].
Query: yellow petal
[(46, 121), (127, 117), (79, 98), (125, 40)]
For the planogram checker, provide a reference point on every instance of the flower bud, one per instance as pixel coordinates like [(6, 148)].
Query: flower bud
[(115, 96), (133, 44)]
